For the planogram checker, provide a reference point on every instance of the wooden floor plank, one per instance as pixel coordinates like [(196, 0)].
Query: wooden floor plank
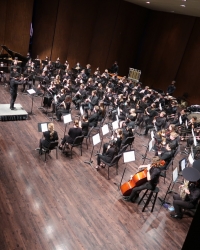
[(67, 204)]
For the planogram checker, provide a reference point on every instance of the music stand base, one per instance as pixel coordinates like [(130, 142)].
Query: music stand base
[(89, 162), (163, 201)]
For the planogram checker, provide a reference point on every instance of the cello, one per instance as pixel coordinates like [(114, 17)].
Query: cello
[(137, 179)]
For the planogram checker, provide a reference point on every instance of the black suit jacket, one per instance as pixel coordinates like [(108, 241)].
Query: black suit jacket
[(48, 139), (93, 120), (73, 133)]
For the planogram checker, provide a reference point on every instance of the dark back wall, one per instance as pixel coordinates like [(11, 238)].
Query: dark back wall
[(15, 21), (163, 46), (91, 31), (169, 51)]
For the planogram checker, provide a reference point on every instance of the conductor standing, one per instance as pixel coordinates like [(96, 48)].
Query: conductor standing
[(13, 89)]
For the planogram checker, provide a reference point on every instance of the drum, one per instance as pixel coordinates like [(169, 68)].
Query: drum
[(194, 108)]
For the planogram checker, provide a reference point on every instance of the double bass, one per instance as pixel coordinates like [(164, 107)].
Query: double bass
[(137, 179)]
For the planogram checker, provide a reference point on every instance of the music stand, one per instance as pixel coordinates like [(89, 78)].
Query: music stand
[(173, 181), (128, 156), (31, 93), (105, 130), (190, 158), (43, 126), (67, 119), (148, 148), (95, 139)]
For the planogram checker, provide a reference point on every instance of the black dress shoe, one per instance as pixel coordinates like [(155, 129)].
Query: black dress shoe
[(176, 216)]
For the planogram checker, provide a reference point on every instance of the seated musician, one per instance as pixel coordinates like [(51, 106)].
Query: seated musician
[(64, 108), (188, 198), (181, 116), (84, 125), (190, 142), (88, 70), (173, 139), (117, 137), (58, 99), (166, 154), (102, 111), (158, 122), (79, 96), (153, 173), (107, 154), (127, 132), (149, 117), (130, 120), (90, 102), (72, 134), (49, 136), (94, 118), (3, 77), (192, 124)]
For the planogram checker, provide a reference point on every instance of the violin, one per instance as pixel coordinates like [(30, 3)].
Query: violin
[(138, 179)]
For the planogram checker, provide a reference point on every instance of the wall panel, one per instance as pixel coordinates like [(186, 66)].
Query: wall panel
[(82, 31), (44, 22), (188, 75), (126, 36), (18, 21), (163, 48), (2, 21), (106, 16), (63, 30)]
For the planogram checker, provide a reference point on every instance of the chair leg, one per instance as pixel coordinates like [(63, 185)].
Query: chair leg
[(155, 198), (71, 152), (117, 169), (86, 143), (56, 153), (142, 197), (148, 200), (108, 173), (81, 150), (45, 155)]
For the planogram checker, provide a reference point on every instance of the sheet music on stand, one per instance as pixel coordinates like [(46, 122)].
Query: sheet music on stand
[(152, 134), (96, 139), (175, 174), (182, 164), (81, 110), (192, 132), (180, 120), (31, 91), (160, 107), (195, 141), (43, 127), (115, 125), (151, 144), (117, 118), (190, 159), (105, 129), (129, 156), (67, 118), (118, 111)]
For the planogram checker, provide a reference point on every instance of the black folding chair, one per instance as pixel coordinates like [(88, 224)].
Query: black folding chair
[(113, 163), (52, 146), (77, 143)]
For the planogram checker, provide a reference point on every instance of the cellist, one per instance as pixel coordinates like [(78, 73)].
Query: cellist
[(153, 173)]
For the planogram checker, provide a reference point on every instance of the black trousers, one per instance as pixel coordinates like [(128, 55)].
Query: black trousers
[(147, 128), (13, 99), (137, 190), (178, 204)]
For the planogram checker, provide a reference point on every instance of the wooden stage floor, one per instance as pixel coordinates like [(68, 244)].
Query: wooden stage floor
[(65, 204)]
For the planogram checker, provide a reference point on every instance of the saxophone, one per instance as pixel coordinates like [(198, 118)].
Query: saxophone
[(183, 188)]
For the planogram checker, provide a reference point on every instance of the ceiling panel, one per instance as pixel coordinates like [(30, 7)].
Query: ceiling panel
[(192, 7)]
